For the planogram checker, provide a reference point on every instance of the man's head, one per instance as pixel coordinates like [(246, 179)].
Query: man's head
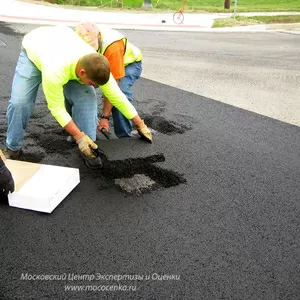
[(90, 33), (93, 69)]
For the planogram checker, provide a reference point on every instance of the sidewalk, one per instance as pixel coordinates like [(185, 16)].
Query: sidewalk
[(14, 11), (23, 12)]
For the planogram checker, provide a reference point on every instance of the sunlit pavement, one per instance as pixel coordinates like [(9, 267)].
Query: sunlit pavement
[(26, 12)]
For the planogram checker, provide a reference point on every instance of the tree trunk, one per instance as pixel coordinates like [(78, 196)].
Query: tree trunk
[(227, 4)]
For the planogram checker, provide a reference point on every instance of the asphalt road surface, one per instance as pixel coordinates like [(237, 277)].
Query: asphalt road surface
[(210, 210), (256, 72)]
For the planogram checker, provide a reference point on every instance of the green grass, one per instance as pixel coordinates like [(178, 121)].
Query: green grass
[(246, 21), (194, 5), (246, 5)]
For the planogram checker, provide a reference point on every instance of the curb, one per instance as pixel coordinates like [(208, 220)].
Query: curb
[(283, 26), (161, 27)]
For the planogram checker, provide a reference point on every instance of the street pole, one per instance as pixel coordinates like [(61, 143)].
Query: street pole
[(147, 4), (235, 5)]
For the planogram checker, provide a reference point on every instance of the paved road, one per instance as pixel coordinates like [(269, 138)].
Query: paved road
[(254, 71), (221, 222)]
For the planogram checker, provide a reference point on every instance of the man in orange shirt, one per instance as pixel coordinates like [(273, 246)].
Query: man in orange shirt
[(125, 65)]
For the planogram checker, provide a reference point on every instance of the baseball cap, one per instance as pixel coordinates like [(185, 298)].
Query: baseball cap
[(89, 32)]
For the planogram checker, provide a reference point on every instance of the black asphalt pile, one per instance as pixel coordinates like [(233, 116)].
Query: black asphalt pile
[(134, 159)]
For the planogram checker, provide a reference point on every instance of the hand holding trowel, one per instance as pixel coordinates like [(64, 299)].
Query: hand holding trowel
[(105, 133), (103, 127)]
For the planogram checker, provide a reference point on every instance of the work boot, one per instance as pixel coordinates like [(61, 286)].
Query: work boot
[(92, 163), (11, 154)]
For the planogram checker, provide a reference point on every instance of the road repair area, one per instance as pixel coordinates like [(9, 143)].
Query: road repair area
[(210, 210)]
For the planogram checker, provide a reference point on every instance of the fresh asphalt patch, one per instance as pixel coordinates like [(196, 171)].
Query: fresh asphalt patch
[(210, 210), (162, 125)]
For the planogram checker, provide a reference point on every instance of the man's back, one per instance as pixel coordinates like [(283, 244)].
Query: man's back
[(54, 47)]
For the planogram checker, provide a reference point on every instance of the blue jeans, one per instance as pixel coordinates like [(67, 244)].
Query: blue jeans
[(123, 126), (27, 78)]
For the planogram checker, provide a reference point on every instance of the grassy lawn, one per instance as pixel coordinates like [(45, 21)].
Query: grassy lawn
[(246, 21), (242, 5), (192, 5)]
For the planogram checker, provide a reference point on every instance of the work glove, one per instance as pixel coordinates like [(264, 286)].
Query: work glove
[(144, 131), (6, 181), (85, 145), (103, 124)]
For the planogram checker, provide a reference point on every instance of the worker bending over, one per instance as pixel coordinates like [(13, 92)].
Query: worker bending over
[(69, 70), (125, 65)]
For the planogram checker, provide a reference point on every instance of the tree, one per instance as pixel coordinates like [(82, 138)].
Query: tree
[(227, 4)]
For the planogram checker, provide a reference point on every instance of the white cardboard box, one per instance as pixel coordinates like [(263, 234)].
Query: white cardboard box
[(40, 187)]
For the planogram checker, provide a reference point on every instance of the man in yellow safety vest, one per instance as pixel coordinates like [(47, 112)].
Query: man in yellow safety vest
[(69, 70), (125, 65)]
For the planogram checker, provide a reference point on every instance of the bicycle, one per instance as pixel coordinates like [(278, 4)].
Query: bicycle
[(178, 16)]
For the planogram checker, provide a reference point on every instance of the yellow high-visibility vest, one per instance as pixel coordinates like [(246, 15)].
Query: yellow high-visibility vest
[(109, 36)]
